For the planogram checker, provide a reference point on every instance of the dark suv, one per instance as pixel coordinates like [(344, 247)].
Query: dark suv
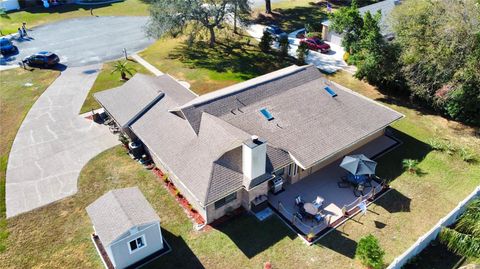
[(42, 58), (275, 31), (6, 46)]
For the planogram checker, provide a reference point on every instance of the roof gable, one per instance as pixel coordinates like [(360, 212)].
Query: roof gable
[(117, 211)]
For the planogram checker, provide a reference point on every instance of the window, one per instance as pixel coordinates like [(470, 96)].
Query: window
[(225, 200), (137, 243), (292, 169)]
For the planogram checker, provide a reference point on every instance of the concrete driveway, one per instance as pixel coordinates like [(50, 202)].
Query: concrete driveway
[(54, 143), (84, 41), (328, 62)]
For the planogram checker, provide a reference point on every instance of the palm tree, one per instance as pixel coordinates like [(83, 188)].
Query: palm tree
[(464, 239), (410, 165), (123, 69)]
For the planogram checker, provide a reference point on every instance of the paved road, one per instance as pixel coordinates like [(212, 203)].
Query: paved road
[(85, 41), (54, 143)]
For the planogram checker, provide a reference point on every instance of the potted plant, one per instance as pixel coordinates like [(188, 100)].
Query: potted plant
[(310, 237)]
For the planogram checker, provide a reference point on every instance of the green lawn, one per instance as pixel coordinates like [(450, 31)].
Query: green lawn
[(16, 98), (35, 16), (208, 69), (57, 236), (106, 80)]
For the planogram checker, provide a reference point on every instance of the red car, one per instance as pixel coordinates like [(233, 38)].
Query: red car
[(317, 44)]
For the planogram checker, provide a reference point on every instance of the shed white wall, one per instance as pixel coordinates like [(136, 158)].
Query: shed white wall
[(119, 251)]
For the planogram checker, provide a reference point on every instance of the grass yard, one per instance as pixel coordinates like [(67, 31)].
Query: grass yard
[(57, 236), (209, 69), (16, 98), (106, 80), (292, 15), (35, 16)]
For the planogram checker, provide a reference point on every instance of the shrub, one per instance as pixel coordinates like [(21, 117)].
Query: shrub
[(369, 252), (266, 42), (346, 56), (467, 155), (436, 144), (177, 193), (411, 166), (310, 237), (302, 53), (284, 46)]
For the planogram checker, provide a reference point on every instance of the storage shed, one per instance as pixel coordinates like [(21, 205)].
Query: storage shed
[(127, 228)]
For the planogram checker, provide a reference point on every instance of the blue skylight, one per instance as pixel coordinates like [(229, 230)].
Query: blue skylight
[(266, 114), (330, 91)]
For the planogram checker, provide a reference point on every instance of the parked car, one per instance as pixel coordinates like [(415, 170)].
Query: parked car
[(301, 34), (317, 44), (6, 46), (42, 58), (275, 32)]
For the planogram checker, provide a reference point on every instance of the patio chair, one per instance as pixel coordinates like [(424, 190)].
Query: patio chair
[(318, 202), (319, 218), (344, 183), (358, 190), (299, 201)]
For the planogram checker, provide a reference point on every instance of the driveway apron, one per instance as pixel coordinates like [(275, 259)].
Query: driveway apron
[(54, 143)]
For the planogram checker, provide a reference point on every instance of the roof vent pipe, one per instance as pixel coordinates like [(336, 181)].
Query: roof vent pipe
[(254, 139)]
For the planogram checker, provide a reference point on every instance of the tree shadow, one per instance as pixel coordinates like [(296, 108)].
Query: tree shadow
[(391, 163), (339, 242), (180, 256), (291, 19), (253, 237), (234, 57), (394, 202), (435, 255)]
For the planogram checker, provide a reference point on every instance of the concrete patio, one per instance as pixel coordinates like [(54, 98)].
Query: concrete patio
[(323, 183)]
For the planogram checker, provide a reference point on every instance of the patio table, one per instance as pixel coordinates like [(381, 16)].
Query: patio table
[(310, 209)]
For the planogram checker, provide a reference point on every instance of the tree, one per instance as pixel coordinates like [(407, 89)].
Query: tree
[(464, 238), (302, 53), (241, 12), (268, 6), (347, 20), (266, 42), (172, 16), (123, 69), (369, 252), (284, 46), (439, 54)]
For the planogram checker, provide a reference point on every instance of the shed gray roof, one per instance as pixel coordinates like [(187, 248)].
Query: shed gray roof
[(127, 102), (385, 7), (117, 211)]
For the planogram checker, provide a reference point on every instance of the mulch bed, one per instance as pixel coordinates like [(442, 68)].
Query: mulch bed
[(182, 201), (103, 253)]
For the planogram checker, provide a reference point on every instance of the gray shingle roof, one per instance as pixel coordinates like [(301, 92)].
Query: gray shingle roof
[(125, 103), (201, 142), (117, 211)]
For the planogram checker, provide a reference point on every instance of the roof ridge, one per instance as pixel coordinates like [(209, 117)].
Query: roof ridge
[(131, 223)]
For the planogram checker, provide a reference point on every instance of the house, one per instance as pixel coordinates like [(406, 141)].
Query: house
[(385, 7), (228, 148), (127, 229), (8, 5)]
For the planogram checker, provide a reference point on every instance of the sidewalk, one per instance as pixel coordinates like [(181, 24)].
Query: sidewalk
[(147, 65)]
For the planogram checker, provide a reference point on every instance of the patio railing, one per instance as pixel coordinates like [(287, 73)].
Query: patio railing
[(300, 224), (370, 195)]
